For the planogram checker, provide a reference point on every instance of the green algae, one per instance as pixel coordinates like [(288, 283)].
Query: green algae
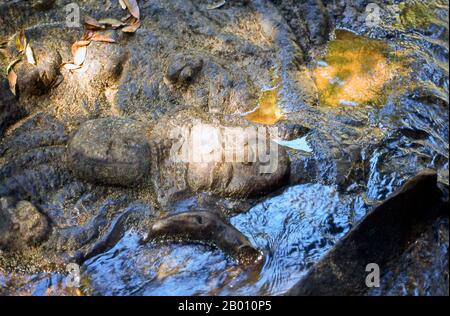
[(419, 14)]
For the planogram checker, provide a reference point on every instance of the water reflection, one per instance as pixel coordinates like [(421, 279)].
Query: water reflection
[(268, 111), (355, 70), (297, 144), (293, 230)]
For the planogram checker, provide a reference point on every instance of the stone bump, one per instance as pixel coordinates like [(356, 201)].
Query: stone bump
[(110, 151), (21, 225)]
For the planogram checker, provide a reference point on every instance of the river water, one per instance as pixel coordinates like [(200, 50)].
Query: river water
[(404, 95)]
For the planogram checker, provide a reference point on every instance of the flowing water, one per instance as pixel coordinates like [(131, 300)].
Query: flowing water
[(295, 228), (404, 63)]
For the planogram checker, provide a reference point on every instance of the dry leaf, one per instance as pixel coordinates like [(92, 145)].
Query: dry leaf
[(112, 22), (133, 8), (12, 80), (79, 51), (12, 64), (122, 4), (21, 42), (71, 66), (103, 38), (217, 5), (83, 42), (30, 55), (80, 55), (92, 24), (87, 35), (132, 28)]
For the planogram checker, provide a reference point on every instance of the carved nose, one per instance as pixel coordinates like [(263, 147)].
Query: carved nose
[(158, 226)]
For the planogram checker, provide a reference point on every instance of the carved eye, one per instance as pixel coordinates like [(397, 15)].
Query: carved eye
[(199, 219)]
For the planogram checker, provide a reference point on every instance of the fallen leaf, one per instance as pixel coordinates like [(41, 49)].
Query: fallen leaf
[(112, 22), (79, 51), (122, 4), (133, 8), (80, 55), (103, 38), (87, 35), (71, 66), (217, 5), (30, 55), (132, 28), (126, 18), (12, 80), (83, 42), (21, 42), (12, 64), (107, 5), (92, 24)]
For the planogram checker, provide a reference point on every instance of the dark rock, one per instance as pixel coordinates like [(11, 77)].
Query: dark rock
[(317, 20), (104, 65), (207, 227), (110, 151), (422, 269), (115, 232), (308, 19), (183, 68), (21, 225), (10, 110), (379, 238), (43, 4)]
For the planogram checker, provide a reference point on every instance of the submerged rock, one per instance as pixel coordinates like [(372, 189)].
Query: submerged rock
[(21, 225), (206, 227), (110, 151)]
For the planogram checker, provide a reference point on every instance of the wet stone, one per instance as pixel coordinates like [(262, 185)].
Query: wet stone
[(10, 110), (183, 68), (21, 225), (35, 80), (110, 151), (207, 227)]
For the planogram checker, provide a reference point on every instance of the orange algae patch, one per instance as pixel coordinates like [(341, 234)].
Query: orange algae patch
[(268, 112), (355, 70)]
